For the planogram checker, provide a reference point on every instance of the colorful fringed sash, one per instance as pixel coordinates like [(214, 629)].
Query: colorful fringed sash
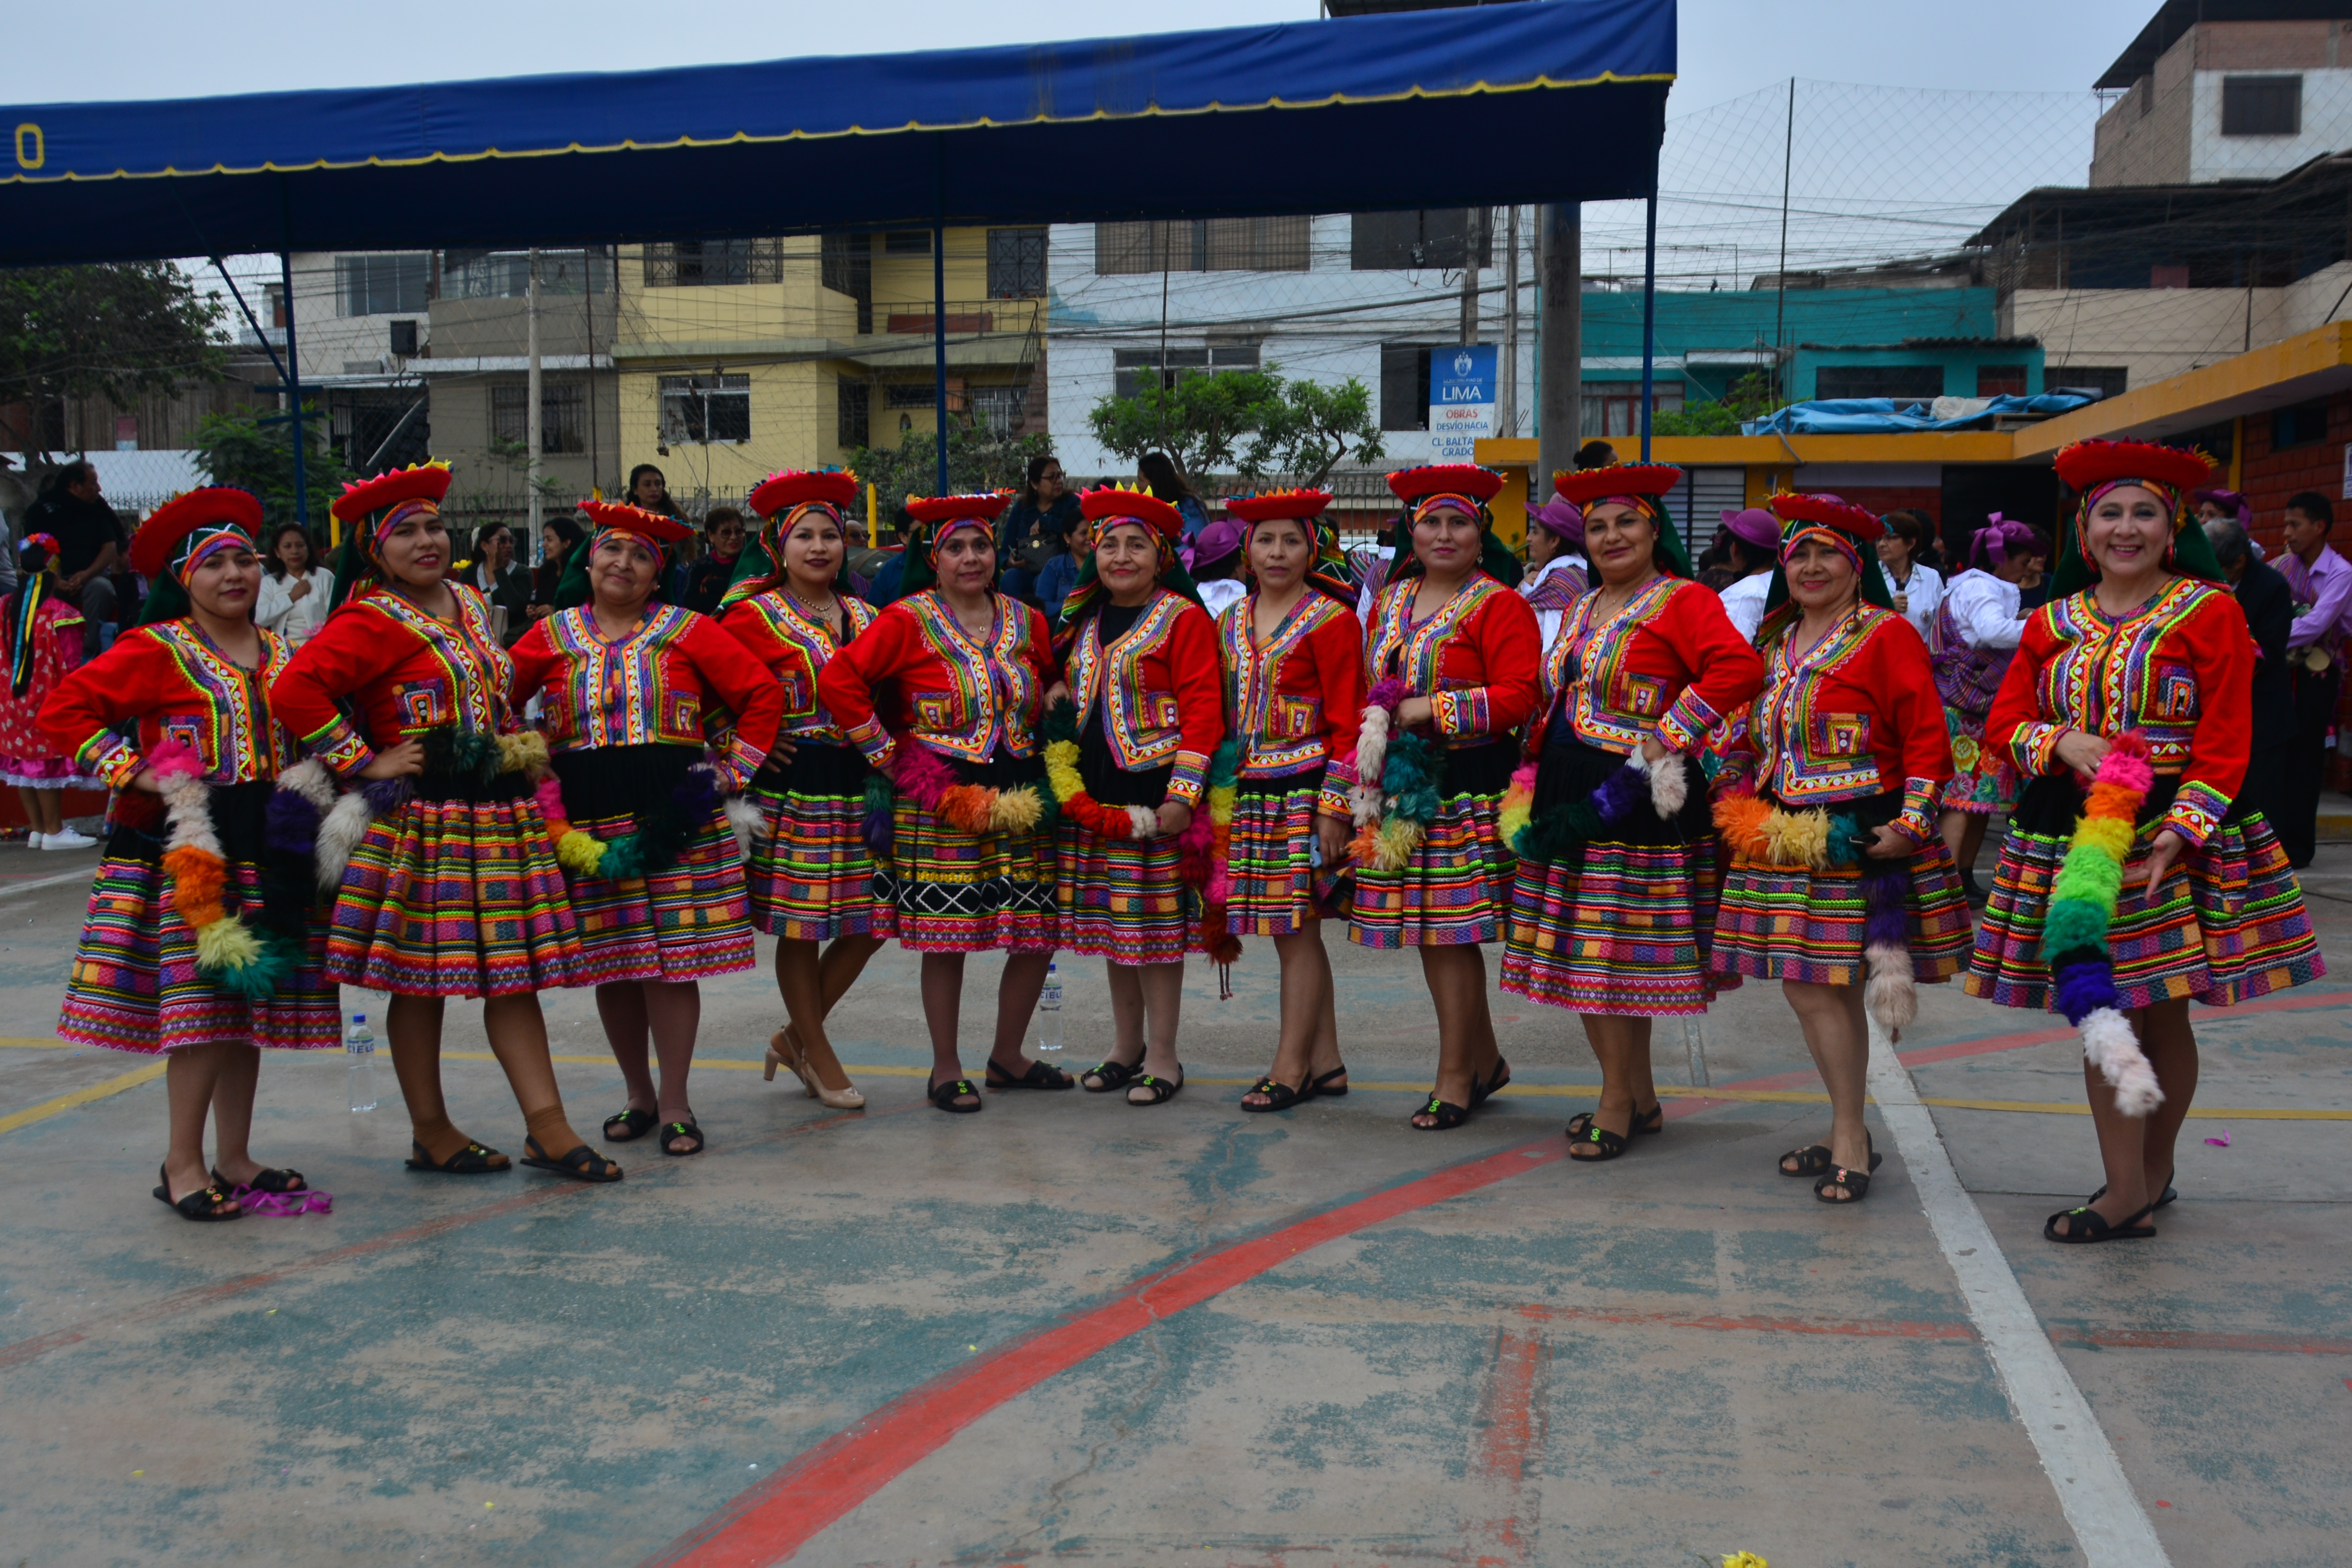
[(247, 961), (1563, 830), (661, 830), (2083, 899), (1758, 833), (1399, 784)]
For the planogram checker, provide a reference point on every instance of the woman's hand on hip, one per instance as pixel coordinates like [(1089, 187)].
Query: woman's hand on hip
[(404, 761)]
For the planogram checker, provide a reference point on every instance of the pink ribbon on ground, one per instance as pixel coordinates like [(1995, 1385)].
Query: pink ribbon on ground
[(285, 1205)]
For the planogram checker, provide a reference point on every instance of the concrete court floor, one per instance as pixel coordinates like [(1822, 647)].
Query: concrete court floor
[(1065, 1331)]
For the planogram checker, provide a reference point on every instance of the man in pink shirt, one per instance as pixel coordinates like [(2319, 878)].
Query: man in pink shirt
[(2321, 581)]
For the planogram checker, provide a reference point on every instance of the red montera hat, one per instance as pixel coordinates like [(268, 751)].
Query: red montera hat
[(780, 492), (1413, 485), (1799, 512), (2086, 464), (215, 507), (1111, 503), (1299, 504), (424, 481), (650, 526), (957, 509), (1585, 487)]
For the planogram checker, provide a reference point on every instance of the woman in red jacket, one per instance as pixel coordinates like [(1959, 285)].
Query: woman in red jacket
[(1293, 653), (2134, 676), (1827, 806), (1454, 657), (448, 885), (216, 955), (964, 862), (810, 872), (632, 692), (1614, 900), (1140, 657)]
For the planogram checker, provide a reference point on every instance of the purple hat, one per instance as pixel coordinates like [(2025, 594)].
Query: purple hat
[(1560, 518), (1755, 526), (1213, 543)]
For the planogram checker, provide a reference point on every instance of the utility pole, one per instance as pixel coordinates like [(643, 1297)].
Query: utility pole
[(533, 416), (1507, 395), (1472, 231), (1780, 305), (1559, 347)]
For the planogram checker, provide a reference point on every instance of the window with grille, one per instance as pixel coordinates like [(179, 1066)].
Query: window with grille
[(1614, 408), (2000, 381), (706, 263), (853, 413), (912, 395), (997, 407), (1202, 245), (563, 416), (706, 409), (1016, 263), (1404, 386), (2262, 105), (382, 285), (1438, 238), (2304, 425), (506, 274), (1902, 383), (1134, 369), (2106, 380)]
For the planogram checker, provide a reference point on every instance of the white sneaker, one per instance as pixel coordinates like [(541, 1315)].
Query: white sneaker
[(32, 841), (68, 839)]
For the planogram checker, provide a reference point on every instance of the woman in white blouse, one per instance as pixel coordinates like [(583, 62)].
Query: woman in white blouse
[(1972, 640), (296, 593), (1917, 590)]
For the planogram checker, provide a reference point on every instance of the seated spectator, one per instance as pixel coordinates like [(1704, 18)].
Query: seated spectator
[(89, 547), (1061, 573), (706, 579), (1035, 528)]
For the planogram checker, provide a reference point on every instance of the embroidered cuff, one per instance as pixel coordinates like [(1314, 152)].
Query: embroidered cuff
[(873, 737), (107, 756), (1916, 820), (1190, 777), (1465, 712), (338, 746), (735, 762), (2195, 812), (1687, 722), (2034, 748)]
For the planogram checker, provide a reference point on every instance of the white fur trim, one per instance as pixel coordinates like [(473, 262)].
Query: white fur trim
[(1669, 785), (187, 804), (340, 832), (1364, 804), (309, 779), (1891, 994), (749, 823), (2109, 1044), (1144, 823), (1371, 746)]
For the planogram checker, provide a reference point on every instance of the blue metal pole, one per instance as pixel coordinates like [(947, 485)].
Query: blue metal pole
[(1649, 317), (294, 392)]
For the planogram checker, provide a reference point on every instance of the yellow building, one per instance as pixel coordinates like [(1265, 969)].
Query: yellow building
[(740, 357)]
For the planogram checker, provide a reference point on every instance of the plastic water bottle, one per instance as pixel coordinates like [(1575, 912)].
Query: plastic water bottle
[(1049, 1012), (359, 1050)]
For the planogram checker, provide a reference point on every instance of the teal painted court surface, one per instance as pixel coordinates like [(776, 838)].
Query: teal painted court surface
[(1069, 1332)]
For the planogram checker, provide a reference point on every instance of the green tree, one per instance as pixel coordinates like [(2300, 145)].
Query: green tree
[(1307, 434), (1752, 396), (238, 449), (1250, 422), (111, 332), (978, 459)]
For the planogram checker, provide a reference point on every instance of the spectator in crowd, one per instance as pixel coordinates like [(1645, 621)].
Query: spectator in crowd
[(16, 499), (1037, 528), (1557, 575), (558, 536), (498, 576), (2269, 604), (2215, 504), (1751, 544), (1595, 455), (1061, 573), (1915, 587), (297, 592), (649, 489), (885, 587), (856, 548), (706, 579), (90, 545), (1216, 566), (2037, 587), (1158, 475), (2321, 583)]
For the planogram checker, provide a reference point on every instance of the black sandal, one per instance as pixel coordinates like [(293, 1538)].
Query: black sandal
[(1811, 1160), (1110, 1076), (473, 1160), (265, 1180), (1654, 1120), (1599, 1137), (673, 1130), (1855, 1183), (1279, 1096), (1039, 1076), (946, 1095), (203, 1204), (1445, 1116), (633, 1124), (1481, 1092), (1319, 1089), (2089, 1226), (582, 1165), (1160, 1088), (2171, 1194)]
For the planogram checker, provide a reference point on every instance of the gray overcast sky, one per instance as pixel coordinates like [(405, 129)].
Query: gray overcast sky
[(169, 48)]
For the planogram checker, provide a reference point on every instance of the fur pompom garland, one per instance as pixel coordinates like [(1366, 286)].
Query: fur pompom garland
[(1393, 820), (230, 954), (925, 778), (2081, 911), (748, 823), (1669, 782)]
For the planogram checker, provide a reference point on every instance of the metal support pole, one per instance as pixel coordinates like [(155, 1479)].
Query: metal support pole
[(1780, 305), (294, 392), (534, 427), (1560, 352), (1508, 421), (1649, 316), (1471, 235), (940, 315)]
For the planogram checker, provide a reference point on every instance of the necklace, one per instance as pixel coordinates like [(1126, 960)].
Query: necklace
[(825, 612)]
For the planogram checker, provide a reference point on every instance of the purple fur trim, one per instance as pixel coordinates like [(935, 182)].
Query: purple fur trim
[(385, 796), (879, 830), (1386, 692), (291, 822), (1885, 921), (695, 795), (1616, 796), (2082, 989)]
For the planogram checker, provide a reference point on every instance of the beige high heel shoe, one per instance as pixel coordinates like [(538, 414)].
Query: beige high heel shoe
[(783, 1052)]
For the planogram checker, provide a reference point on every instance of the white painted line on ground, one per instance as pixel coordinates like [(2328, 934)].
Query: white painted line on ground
[(2113, 1531), (85, 876)]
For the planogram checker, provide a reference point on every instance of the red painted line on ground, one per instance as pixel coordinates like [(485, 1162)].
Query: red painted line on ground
[(1855, 1328), (1510, 1448), (774, 1519), (2182, 1340)]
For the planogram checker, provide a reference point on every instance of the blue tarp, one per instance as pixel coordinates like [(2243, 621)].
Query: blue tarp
[(1884, 416), (1553, 100)]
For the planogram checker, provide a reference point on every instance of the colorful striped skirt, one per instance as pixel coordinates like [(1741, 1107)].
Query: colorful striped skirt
[(1456, 887), (1122, 899), (810, 873), (1791, 922), (940, 890), (691, 920), (455, 893), (1624, 926), (1278, 888), (1985, 781), (2228, 924), (134, 985)]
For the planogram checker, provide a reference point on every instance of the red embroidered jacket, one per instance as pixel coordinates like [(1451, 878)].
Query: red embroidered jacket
[(1855, 715), (796, 646), (1668, 663), (1295, 702), (405, 671), (960, 697), (178, 686), (1478, 660), (2177, 669), (662, 684), (1157, 689)]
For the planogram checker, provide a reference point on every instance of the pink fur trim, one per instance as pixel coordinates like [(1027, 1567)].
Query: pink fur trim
[(170, 757), (922, 775)]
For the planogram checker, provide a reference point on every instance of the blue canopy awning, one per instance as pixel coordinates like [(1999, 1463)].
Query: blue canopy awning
[(1547, 100)]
